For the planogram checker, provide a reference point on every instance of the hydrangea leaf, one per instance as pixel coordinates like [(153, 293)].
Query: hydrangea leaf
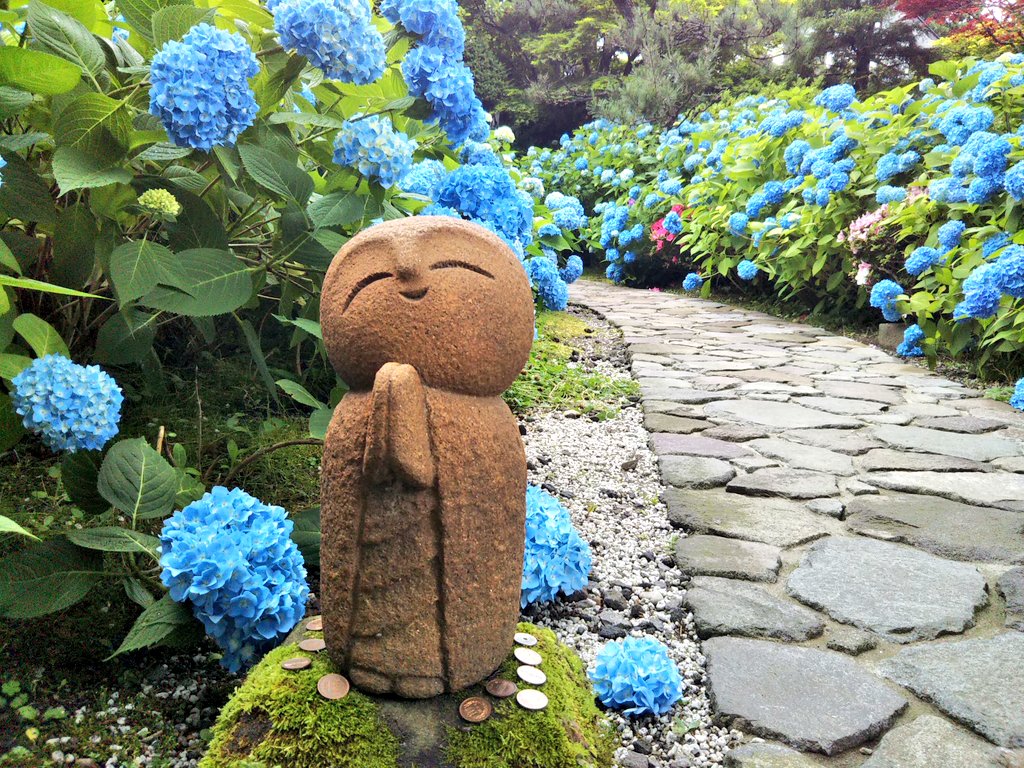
[(24, 194), (47, 577), (319, 421), (74, 169), (276, 78), (79, 472), (115, 539), (40, 335), (314, 119), (154, 625), (342, 209), (97, 125), (276, 174), (307, 535), (174, 22), (66, 37), (136, 268), (74, 246), (137, 592), (13, 102), (202, 283), (11, 429), (9, 526), (36, 71), (138, 13), (127, 337), (137, 480), (11, 364)]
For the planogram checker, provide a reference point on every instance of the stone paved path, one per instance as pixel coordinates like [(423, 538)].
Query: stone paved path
[(855, 537)]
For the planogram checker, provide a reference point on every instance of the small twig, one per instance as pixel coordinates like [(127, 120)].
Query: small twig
[(264, 451), (160, 439)]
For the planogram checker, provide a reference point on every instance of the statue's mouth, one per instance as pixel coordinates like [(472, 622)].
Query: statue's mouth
[(416, 295)]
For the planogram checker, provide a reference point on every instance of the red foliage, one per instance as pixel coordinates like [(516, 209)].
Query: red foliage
[(1002, 21)]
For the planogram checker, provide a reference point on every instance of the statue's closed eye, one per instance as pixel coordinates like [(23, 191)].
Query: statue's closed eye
[(462, 265), (366, 281)]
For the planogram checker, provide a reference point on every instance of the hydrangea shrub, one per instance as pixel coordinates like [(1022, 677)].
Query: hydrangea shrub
[(637, 676)]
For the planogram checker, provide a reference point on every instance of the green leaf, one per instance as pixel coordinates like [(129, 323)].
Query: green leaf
[(252, 339), (197, 226), (137, 480), (312, 327), (138, 13), (137, 267), (116, 539), (37, 72), (155, 625), (24, 194), (7, 258), (127, 337), (96, 125), (174, 22), (47, 577), (202, 283), (40, 335), (11, 365), (341, 209), (299, 393), (314, 119), (137, 592), (276, 174), (66, 37), (319, 421), (13, 102), (306, 535), (163, 152), (11, 428), (74, 247), (9, 526), (80, 472), (36, 285), (276, 77), (74, 169)]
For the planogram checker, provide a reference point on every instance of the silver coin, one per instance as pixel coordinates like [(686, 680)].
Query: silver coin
[(522, 638), (531, 675), (528, 656), (531, 699)]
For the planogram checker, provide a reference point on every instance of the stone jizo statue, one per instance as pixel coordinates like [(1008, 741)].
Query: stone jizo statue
[(428, 320)]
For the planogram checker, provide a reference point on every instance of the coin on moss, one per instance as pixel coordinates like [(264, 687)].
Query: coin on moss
[(528, 698), (475, 709), (501, 689), (312, 645), (296, 663), (531, 675), (524, 638), (315, 624), (528, 656), (333, 687)]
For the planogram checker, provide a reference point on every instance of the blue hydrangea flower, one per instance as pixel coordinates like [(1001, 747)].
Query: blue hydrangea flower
[(995, 243), (582, 164), (921, 259), (546, 280), (200, 87), (887, 194), (673, 223), (424, 178), (232, 557), (479, 153), (637, 676), (572, 271), (950, 234), (747, 270), (837, 98), (1014, 181), (337, 36), (883, 296), (692, 282), (372, 146), (1008, 271), (615, 273), (1017, 399), (982, 188), (794, 155), (911, 345), (959, 123), (567, 211), (557, 559), (436, 21), (738, 223), (70, 406), (982, 295), (486, 193), (447, 83), (549, 230)]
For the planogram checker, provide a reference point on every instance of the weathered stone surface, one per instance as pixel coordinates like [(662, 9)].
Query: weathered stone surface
[(731, 607), (771, 521), (897, 592), (678, 393), (1003, 490), (766, 755), (696, 445), (695, 471), (736, 433), (729, 558), (1011, 464), (857, 391), (848, 441), (830, 507), (888, 460), (851, 641), (976, 447), (841, 406), (788, 483), (938, 525), (817, 701), (663, 422), (978, 682), (971, 425), (423, 463), (778, 415), (931, 742), (804, 456), (1011, 587)]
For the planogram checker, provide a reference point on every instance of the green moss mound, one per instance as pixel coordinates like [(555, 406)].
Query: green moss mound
[(570, 733)]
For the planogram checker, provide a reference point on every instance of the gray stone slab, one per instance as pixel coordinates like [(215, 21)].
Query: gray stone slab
[(736, 433), (804, 456), (970, 425), (778, 415), (897, 592), (785, 482), (695, 471), (663, 422), (1001, 490), (696, 445), (732, 607), (978, 682), (853, 390), (891, 460), (850, 641), (779, 522), (729, 558), (848, 441), (931, 742), (976, 447), (1011, 464), (814, 700), (940, 526), (830, 507), (767, 755), (840, 406), (1011, 587)]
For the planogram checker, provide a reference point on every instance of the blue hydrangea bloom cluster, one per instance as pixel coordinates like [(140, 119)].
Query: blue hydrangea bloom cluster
[(1008, 271), (1014, 181), (557, 559), (435, 21), (747, 270), (911, 344), (1017, 399), (883, 297), (232, 557), (922, 259), (892, 164), (424, 178), (770, 195), (994, 244), (982, 295), (950, 234), (372, 146), (71, 407), (567, 211), (692, 282), (738, 223), (200, 87), (573, 269), (487, 195), (888, 194), (637, 676), (337, 36), (838, 98), (546, 280)]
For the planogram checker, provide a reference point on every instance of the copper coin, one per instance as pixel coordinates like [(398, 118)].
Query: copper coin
[(313, 644), (531, 675), (501, 689), (475, 709), (531, 699), (333, 687), (299, 662), (315, 624), (528, 656), (522, 638)]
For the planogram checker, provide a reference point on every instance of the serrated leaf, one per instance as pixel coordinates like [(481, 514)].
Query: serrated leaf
[(276, 174), (9, 526), (202, 283), (138, 13), (341, 209), (137, 480), (74, 169), (66, 37), (11, 365), (24, 194), (314, 119), (116, 539), (163, 152), (40, 335), (136, 268), (137, 592), (13, 101), (36, 71), (47, 577), (155, 625), (174, 22), (79, 472), (127, 337), (97, 125)]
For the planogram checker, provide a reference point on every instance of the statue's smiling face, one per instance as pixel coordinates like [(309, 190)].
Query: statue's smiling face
[(444, 296)]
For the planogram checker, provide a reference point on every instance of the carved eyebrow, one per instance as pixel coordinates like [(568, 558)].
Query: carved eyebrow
[(462, 265), (366, 281)]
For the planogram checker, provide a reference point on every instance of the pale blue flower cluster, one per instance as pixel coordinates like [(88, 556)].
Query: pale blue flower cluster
[(573, 269), (922, 259), (200, 87), (911, 344), (738, 223), (883, 296), (1008, 271), (769, 195), (71, 407), (567, 211), (232, 557), (372, 146), (838, 98), (888, 194), (892, 164), (546, 280), (637, 676), (950, 234), (1015, 181), (337, 36), (435, 21), (692, 282), (487, 195), (556, 558), (1017, 399), (424, 178), (747, 270), (982, 295)]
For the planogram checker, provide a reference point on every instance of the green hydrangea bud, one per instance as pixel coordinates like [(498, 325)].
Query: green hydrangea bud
[(160, 201)]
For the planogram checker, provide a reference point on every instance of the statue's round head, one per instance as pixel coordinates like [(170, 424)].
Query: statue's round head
[(443, 295)]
